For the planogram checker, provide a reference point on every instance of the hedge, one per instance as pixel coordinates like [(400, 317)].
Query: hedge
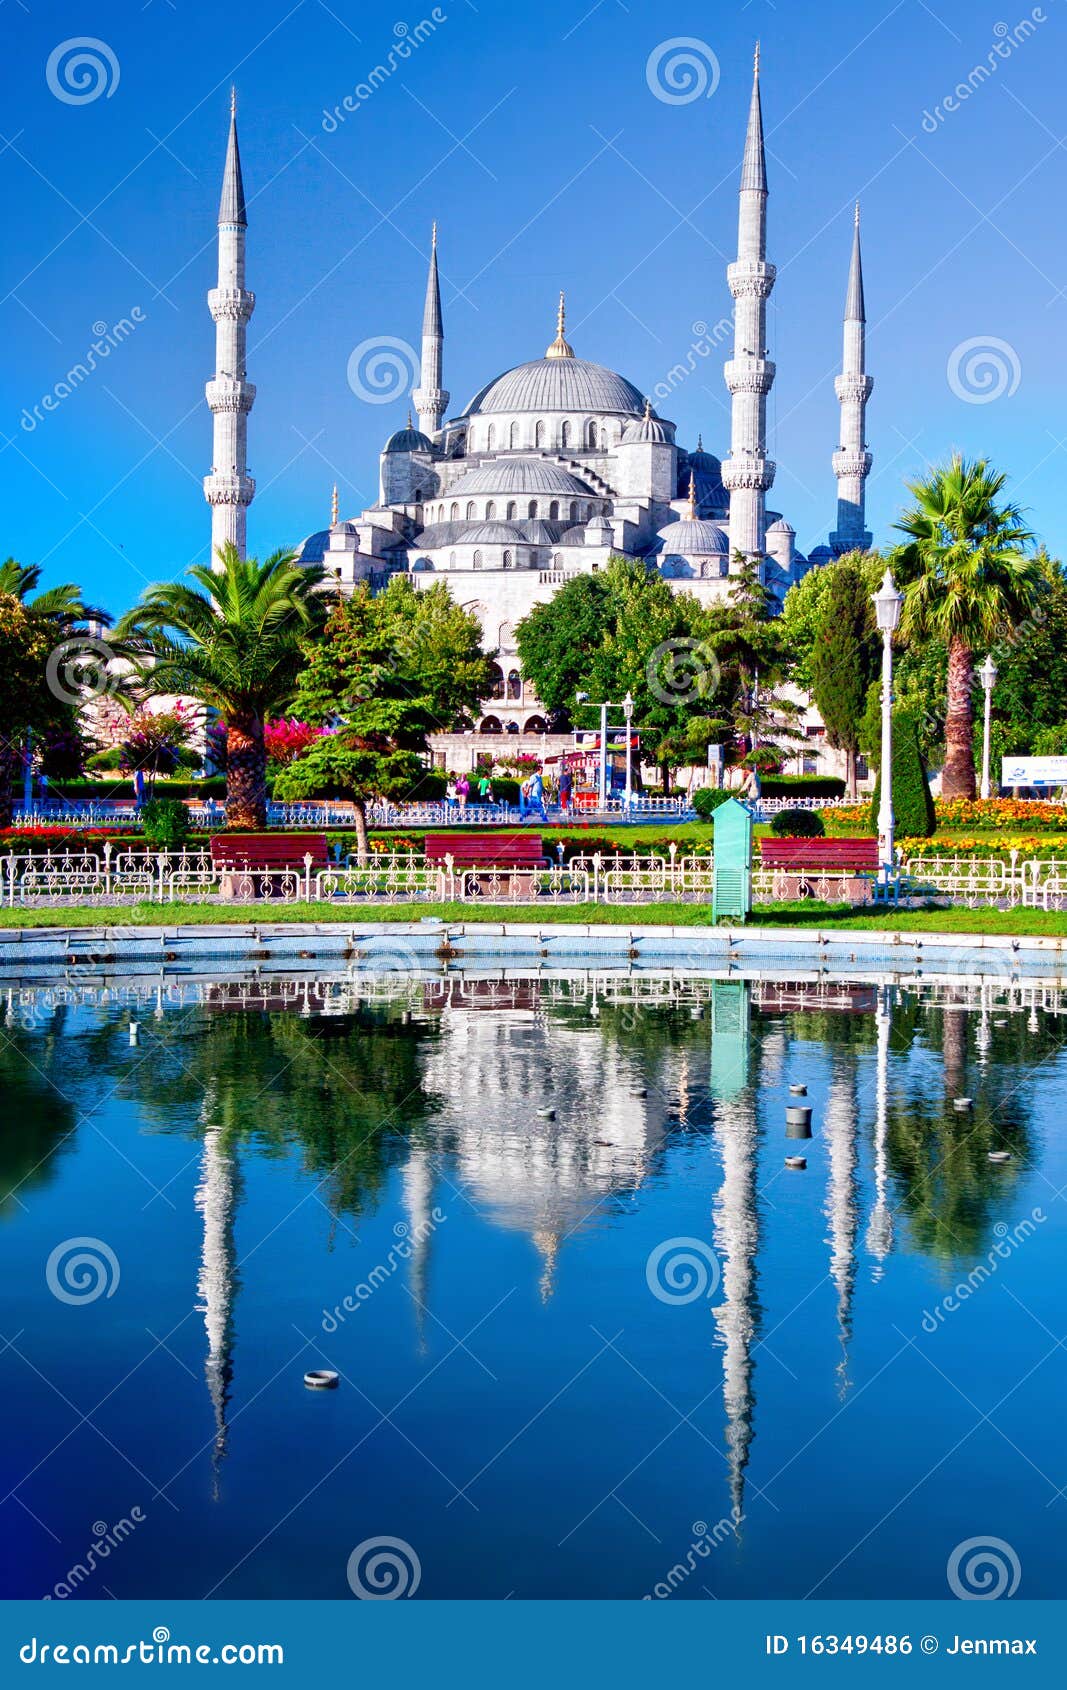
[(802, 786), (215, 787), (798, 824)]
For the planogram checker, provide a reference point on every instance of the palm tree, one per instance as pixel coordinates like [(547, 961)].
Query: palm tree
[(59, 613), (969, 578), (236, 645)]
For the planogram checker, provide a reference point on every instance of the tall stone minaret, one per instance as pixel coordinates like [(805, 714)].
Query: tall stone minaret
[(748, 472), (852, 461), (229, 489), (430, 397)]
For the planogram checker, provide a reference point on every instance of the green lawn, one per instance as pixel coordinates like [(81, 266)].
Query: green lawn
[(816, 916)]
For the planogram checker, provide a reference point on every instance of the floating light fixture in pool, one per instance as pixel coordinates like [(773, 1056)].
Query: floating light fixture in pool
[(321, 1379)]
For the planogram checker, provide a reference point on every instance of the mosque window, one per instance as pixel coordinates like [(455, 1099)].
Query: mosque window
[(514, 684), (513, 435), (557, 560), (553, 511), (574, 510), (512, 509), (455, 511), (490, 510), (539, 434), (477, 560), (591, 434), (507, 560), (470, 510), (565, 434), (531, 509), (496, 681), (490, 438)]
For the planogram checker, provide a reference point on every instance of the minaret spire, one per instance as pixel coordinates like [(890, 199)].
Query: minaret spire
[(748, 472), (229, 489), (561, 347), (430, 397), (852, 461)]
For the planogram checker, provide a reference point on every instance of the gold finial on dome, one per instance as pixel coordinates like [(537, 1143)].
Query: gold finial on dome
[(648, 409), (233, 99), (560, 347), (334, 510), (408, 423), (692, 511)]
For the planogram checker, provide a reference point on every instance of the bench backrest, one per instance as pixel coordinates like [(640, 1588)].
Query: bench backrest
[(269, 850), (819, 853), (470, 850)]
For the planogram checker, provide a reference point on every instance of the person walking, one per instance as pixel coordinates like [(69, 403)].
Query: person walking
[(463, 791), (536, 796), (451, 794), (485, 790), (566, 787)]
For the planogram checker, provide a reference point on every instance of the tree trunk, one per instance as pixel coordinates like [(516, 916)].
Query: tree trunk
[(362, 844), (850, 773), (246, 771), (957, 776)]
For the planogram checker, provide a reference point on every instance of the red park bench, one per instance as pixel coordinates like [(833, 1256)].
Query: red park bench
[(264, 858), (496, 862), (849, 862)]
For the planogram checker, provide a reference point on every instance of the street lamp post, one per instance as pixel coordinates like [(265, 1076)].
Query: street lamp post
[(628, 712), (988, 677), (887, 604), (602, 781)]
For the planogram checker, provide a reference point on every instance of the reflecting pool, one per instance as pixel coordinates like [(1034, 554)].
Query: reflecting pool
[(594, 1336)]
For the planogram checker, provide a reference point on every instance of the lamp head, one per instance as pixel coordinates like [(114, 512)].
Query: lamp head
[(988, 673), (887, 604), (581, 698)]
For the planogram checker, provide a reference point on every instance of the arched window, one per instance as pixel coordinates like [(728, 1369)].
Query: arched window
[(565, 434), (477, 560), (513, 435), (470, 510), (490, 438), (531, 509), (591, 435), (574, 510), (557, 560), (454, 513), (451, 560), (587, 513), (553, 511), (490, 510), (539, 434), (514, 684), (512, 509), (491, 725), (507, 560), (496, 681), (418, 495)]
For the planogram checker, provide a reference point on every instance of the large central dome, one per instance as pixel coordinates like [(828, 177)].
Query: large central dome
[(559, 384)]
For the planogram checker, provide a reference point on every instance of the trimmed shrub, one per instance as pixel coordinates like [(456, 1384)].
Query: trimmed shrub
[(213, 788), (706, 799), (913, 803), (802, 786), (798, 824), (165, 823)]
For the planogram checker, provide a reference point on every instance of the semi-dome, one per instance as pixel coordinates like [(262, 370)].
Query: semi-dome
[(489, 534), (559, 384), (648, 430), (780, 526), (408, 439), (519, 475), (693, 538)]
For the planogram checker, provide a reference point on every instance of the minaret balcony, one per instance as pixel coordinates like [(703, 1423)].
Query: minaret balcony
[(749, 375), (748, 474), (750, 278), (229, 489), (226, 394), (856, 388), (231, 305), (849, 464)]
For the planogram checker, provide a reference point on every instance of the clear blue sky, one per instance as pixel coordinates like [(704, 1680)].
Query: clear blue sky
[(531, 134)]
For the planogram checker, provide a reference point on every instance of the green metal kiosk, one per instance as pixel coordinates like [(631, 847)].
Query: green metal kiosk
[(731, 896)]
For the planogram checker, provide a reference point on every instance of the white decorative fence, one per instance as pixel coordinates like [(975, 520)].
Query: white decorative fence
[(116, 876)]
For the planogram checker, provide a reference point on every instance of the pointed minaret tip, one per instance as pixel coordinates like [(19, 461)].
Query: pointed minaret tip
[(433, 235), (855, 308), (560, 347), (692, 512), (334, 508), (233, 99), (232, 203), (754, 166), (857, 217), (755, 61)]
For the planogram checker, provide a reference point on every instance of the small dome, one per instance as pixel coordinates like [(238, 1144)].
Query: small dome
[(648, 430), (573, 536), (408, 439), (821, 554), (693, 538), (781, 526), (519, 475), (313, 548), (540, 533), (489, 534)]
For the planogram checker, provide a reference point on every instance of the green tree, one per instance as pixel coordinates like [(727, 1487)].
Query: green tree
[(968, 579), (803, 603), (913, 804), (845, 660), (437, 647), (236, 644), (754, 661)]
